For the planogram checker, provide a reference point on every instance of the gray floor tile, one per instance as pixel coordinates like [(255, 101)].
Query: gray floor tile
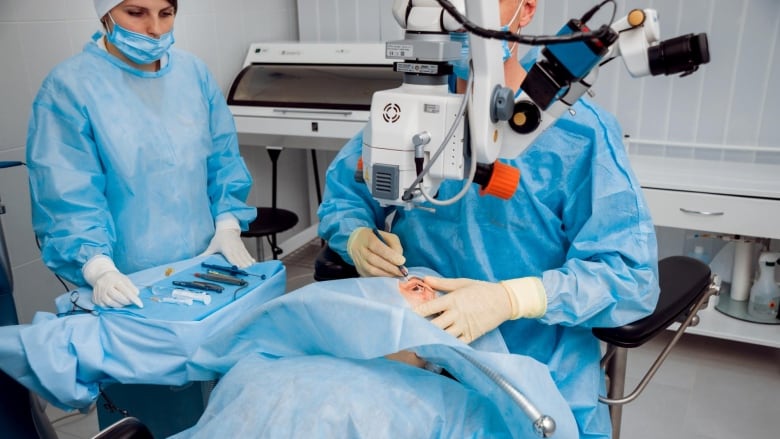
[(732, 402), (707, 389), (678, 370), (300, 265), (658, 413), (73, 424)]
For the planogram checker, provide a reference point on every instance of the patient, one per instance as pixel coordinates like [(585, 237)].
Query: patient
[(332, 359), (416, 292)]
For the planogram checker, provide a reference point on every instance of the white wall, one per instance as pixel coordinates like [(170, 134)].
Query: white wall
[(37, 34), (727, 111)]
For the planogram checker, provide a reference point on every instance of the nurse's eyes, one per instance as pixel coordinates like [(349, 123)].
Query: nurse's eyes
[(137, 13)]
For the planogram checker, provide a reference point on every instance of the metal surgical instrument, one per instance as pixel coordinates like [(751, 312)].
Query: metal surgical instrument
[(198, 285), (231, 270), (216, 276), (402, 267)]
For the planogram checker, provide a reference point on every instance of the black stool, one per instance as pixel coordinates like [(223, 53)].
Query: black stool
[(270, 220), (330, 266)]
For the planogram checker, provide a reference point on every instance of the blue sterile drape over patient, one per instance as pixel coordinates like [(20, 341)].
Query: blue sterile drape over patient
[(284, 358), (578, 221), (148, 160)]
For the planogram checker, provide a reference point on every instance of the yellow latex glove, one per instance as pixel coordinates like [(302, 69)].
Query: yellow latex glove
[(371, 256), (471, 308)]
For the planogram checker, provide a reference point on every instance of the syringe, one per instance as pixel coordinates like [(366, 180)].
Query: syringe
[(205, 298)]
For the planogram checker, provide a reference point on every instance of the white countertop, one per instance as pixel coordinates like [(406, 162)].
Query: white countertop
[(707, 176)]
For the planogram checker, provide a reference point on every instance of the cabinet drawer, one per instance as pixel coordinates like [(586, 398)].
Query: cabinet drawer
[(715, 213)]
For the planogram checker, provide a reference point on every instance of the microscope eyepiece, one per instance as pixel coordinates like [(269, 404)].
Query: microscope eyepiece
[(680, 54)]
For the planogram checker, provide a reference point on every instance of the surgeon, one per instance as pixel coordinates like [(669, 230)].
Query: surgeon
[(133, 157), (573, 249)]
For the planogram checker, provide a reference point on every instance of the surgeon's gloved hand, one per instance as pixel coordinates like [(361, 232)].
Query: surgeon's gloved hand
[(110, 288), (371, 256), (471, 308), (227, 241)]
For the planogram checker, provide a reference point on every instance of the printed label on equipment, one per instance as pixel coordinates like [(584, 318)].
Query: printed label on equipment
[(396, 50), (423, 69)]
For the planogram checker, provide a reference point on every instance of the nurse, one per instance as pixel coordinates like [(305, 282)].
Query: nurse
[(573, 249), (133, 157)]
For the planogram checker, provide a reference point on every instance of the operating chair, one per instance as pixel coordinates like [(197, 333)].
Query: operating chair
[(686, 286), (271, 220)]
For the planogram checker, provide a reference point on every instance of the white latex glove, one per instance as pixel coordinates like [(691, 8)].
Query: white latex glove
[(471, 308), (110, 288), (371, 256), (227, 241)]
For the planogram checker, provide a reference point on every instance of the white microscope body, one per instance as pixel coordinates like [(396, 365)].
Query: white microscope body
[(417, 135), (412, 121)]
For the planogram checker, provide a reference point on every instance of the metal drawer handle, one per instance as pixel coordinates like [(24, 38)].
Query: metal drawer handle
[(341, 113), (700, 212)]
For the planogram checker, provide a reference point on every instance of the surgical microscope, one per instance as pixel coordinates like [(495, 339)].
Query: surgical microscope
[(421, 134)]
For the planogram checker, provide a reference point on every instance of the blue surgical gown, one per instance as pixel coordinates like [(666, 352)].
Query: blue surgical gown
[(130, 164), (578, 221)]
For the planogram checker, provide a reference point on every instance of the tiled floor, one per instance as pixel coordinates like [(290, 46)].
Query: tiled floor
[(707, 388)]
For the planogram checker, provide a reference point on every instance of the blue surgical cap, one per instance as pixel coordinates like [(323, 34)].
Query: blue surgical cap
[(103, 6)]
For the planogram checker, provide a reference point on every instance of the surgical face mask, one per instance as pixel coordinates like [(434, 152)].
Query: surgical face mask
[(505, 28), (461, 66), (139, 48)]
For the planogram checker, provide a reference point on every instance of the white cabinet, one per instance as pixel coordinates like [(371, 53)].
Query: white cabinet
[(720, 197), (717, 213)]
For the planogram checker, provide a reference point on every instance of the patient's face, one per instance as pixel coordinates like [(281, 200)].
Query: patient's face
[(415, 291)]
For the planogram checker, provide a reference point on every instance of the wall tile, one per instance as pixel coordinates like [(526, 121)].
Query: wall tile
[(198, 6), (29, 11), (198, 36), (76, 9), (44, 45), (15, 195), (15, 94), (750, 72)]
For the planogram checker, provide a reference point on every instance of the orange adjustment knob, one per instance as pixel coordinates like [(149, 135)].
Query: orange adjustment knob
[(503, 181), (359, 176), (636, 17)]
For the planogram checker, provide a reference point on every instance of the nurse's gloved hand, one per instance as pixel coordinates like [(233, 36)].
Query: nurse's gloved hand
[(371, 256), (227, 241), (110, 288), (471, 308)]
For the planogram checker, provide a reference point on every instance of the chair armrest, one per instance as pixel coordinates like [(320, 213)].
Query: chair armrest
[(683, 281)]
